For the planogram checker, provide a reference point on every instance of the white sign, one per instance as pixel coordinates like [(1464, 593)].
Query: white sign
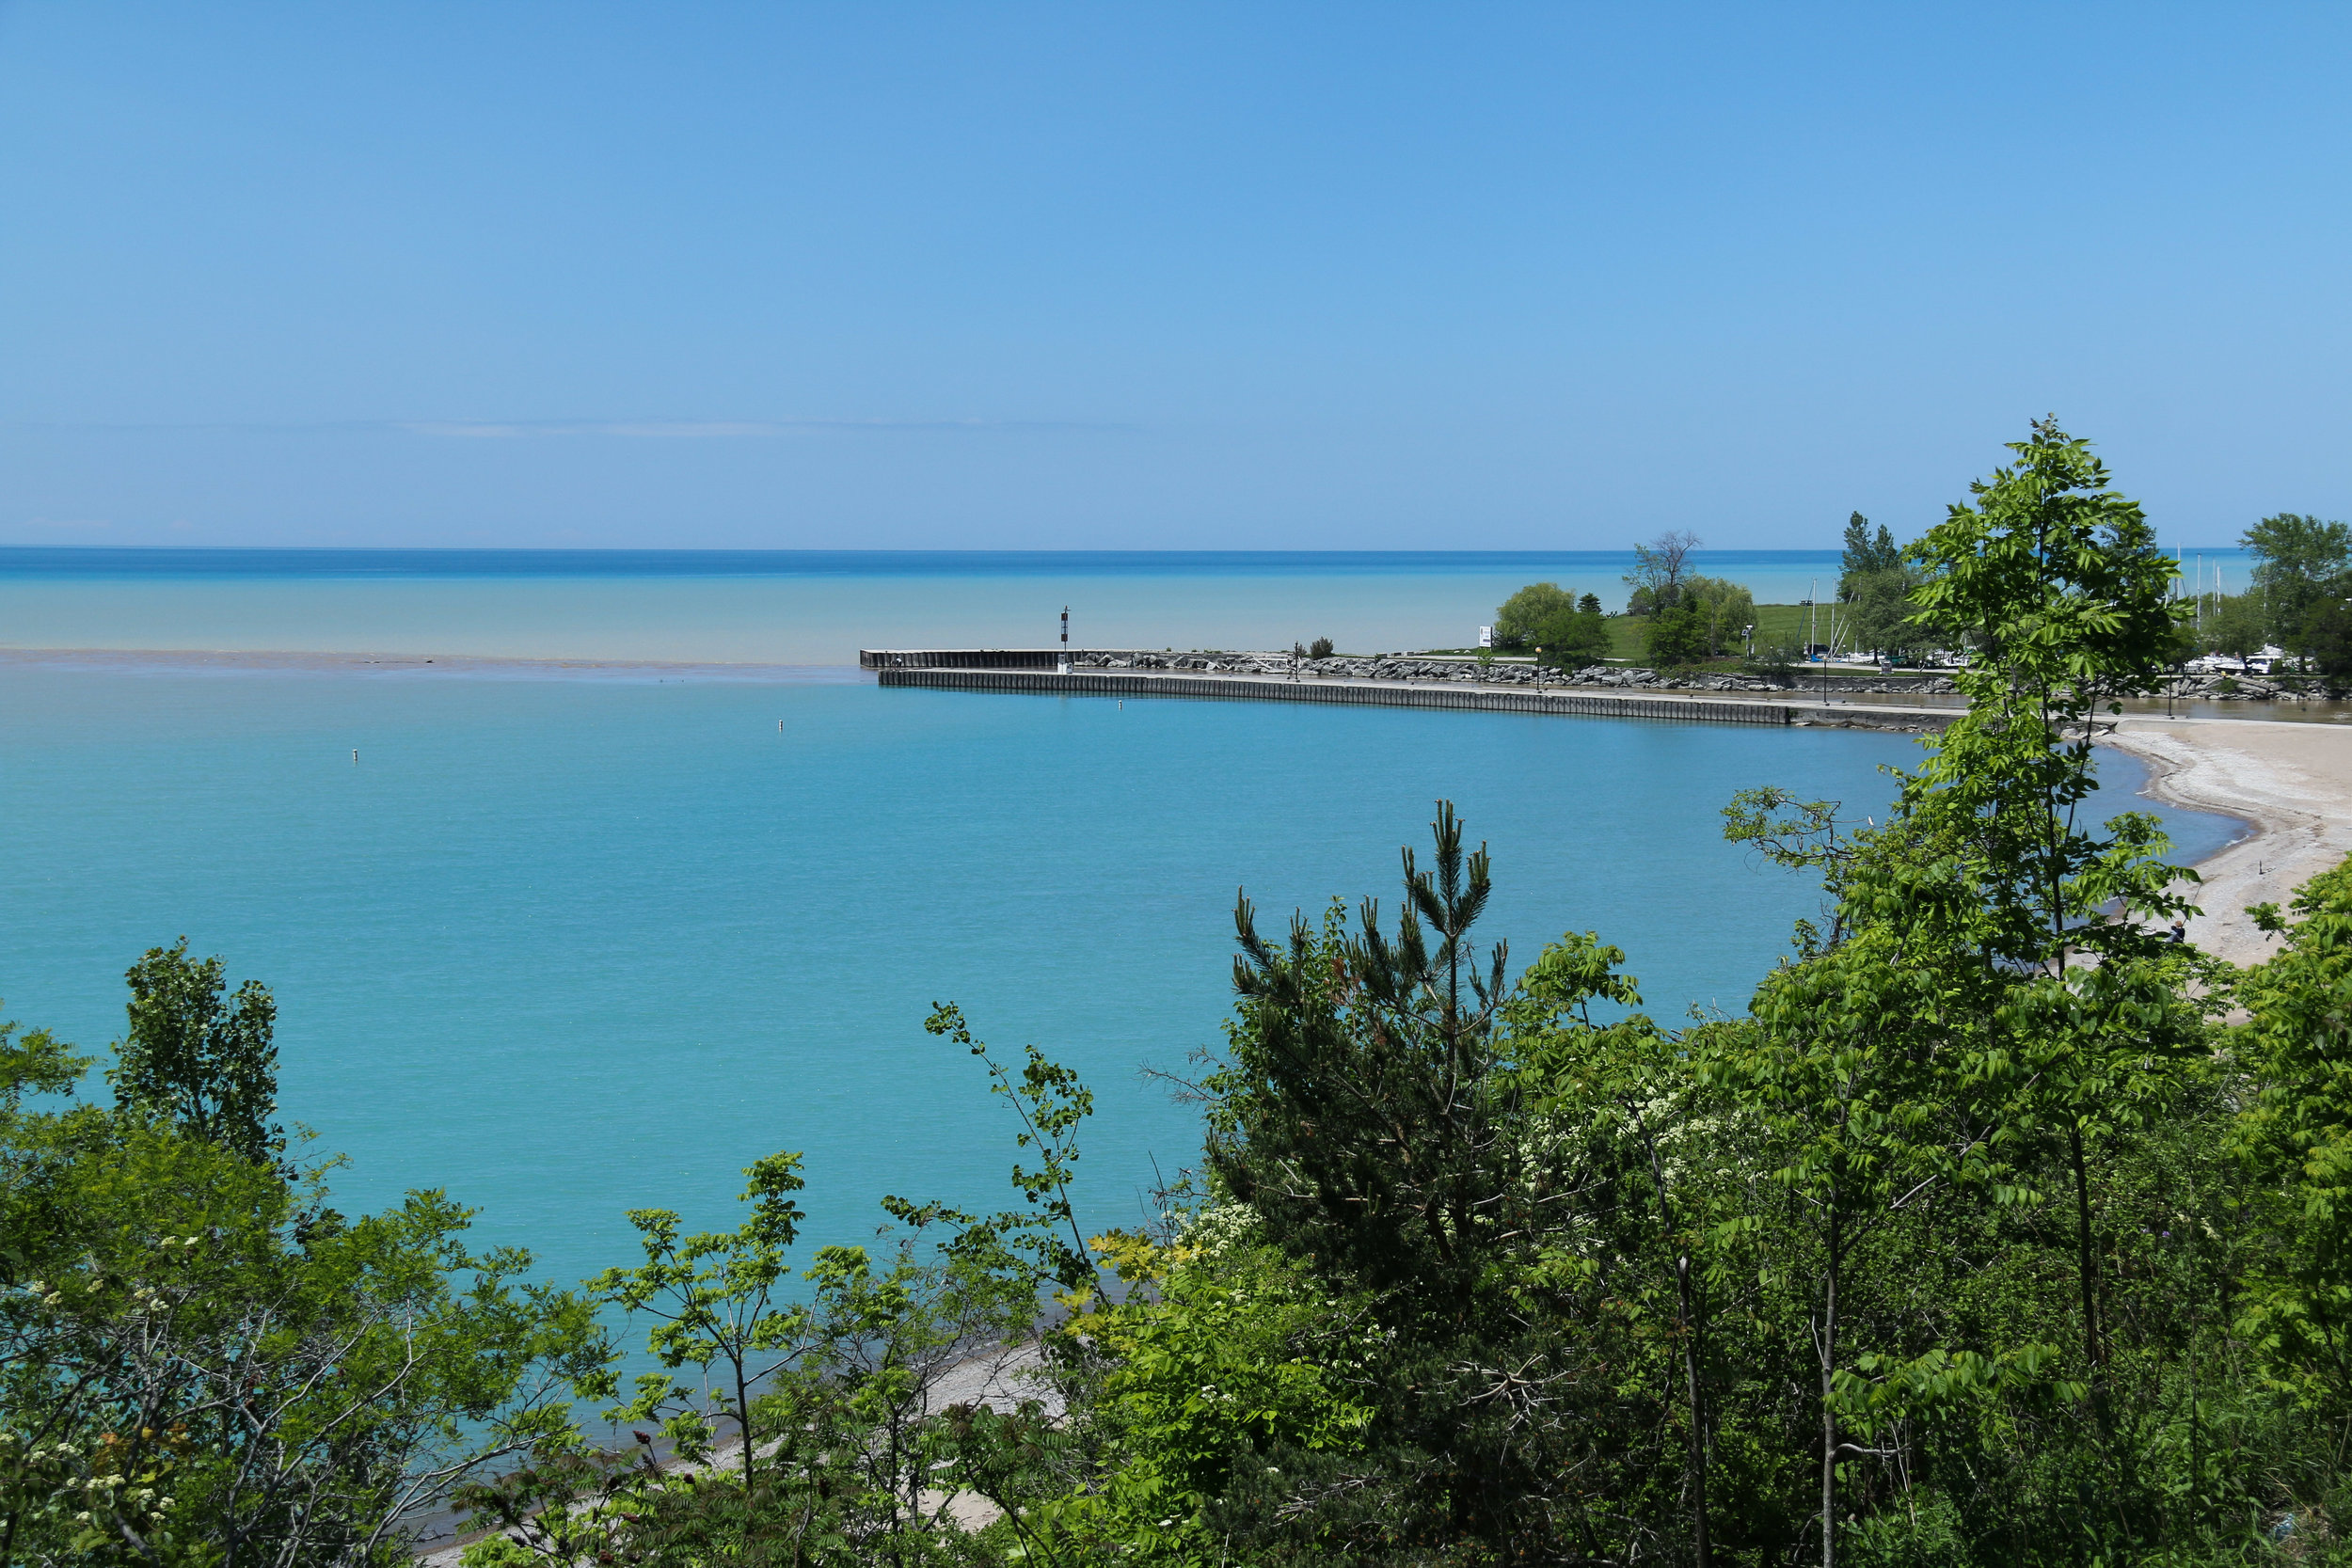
[(1486, 637)]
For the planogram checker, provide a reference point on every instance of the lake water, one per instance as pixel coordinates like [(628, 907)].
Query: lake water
[(571, 944), (801, 607)]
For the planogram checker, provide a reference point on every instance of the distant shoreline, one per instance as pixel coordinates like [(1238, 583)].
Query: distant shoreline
[(296, 663)]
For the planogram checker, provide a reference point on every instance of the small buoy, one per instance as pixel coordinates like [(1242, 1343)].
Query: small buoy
[(779, 726), (355, 756)]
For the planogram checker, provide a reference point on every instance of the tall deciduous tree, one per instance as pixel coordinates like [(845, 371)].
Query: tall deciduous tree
[(199, 1057), (2296, 559), (1944, 1031), (1660, 568), (2056, 580)]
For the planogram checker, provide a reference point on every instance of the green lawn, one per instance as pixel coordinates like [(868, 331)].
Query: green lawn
[(1775, 625)]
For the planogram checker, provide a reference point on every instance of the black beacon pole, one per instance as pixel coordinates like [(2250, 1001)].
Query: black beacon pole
[(1065, 639)]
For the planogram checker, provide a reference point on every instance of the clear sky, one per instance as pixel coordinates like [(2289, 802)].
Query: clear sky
[(1173, 276)]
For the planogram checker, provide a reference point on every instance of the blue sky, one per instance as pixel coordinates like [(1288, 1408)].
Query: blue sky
[(1301, 276)]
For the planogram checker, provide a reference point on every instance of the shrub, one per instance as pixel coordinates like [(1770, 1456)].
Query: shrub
[(1526, 615)]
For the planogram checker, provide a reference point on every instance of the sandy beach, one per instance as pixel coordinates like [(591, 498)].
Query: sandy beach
[(2291, 780)]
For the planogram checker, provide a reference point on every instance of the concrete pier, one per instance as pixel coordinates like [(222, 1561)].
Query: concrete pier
[(1570, 701)]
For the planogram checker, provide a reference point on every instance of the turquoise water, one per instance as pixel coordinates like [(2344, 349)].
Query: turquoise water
[(797, 607), (572, 945), (783, 607)]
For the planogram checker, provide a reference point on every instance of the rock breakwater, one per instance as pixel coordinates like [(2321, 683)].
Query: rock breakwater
[(1403, 667)]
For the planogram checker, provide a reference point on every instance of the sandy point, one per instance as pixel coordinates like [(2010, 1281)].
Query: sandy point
[(2291, 780)]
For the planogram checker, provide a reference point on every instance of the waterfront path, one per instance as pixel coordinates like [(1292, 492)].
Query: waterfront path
[(1718, 707)]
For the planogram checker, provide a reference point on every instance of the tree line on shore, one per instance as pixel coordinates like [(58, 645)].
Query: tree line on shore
[(1999, 1227), (2300, 601)]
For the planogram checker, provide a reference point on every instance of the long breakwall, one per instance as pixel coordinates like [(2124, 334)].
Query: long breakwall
[(1260, 688)]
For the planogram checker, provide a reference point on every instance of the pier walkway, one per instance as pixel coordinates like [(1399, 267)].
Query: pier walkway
[(1786, 708)]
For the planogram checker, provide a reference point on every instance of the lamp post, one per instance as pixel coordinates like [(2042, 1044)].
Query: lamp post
[(1065, 639)]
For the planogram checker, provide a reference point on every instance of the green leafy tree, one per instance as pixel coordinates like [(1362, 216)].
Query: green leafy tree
[(2295, 558), (2235, 624), (1227, 1377), (1725, 612), (2056, 581), (1939, 1037), (826, 1376), (1880, 616), (2327, 634), (1847, 1068), (198, 1058), (1573, 638), (200, 1362), (1677, 632), (2296, 1141), (718, 1305), (1523, 618), (1622, 1083), (1866, 556), (1051, 1104)]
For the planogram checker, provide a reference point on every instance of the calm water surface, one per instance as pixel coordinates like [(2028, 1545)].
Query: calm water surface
[(570, 946), (799, 606)]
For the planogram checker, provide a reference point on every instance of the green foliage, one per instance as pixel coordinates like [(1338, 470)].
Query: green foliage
[(2301, 564), (1051, 1104), (1373, 1115), (2296, 1140), (1695, 618), (1874, 584), (826, 1380), (1352, 1049), (1225, 1368), (1866, 556), (199, 1362), (35, 1063), (1660, 570), (2236, 624), (1522, 620), (713, 1297), (2328, 636), (1573, 638), (1981, 1236), (1676, 633), (208, 1064), (1880, 616), (2055, 581)]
